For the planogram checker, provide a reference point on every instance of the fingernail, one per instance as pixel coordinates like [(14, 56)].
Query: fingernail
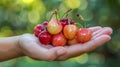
[(61, 52)]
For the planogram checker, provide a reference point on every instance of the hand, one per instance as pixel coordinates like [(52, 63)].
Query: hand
[(31, 47), (100, 36)]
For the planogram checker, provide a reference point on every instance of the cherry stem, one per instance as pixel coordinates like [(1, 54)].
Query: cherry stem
[(82, 19), (66, 13), (69, 20), (51, 16), (55, 12)]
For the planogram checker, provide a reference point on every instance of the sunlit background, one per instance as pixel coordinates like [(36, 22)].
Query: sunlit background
[(20, 16)]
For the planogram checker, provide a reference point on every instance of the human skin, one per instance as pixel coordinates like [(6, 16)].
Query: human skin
[(29, 45)]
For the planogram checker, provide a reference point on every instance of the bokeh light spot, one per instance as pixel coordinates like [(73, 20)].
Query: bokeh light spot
[(96, 58), (33, 16), (6, 31), (73, 4), (82, 59), (83, 5), (27, 1)]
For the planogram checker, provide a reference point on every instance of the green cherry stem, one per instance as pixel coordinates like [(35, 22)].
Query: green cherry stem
[(51, 16), (66, 13), (54, 13)]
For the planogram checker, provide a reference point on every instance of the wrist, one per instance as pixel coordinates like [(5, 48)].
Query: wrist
[(9, 48), (19, 50)]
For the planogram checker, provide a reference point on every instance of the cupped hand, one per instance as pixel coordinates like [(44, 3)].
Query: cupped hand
[(99, 37), (30, 46)]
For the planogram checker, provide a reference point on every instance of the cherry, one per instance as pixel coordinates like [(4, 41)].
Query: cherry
[(64, 21), (59, 40), (45, 23), (72, 41), (45, 38), (54, 27), (70, 31), (38, 29), (84, 35), (41, 32)]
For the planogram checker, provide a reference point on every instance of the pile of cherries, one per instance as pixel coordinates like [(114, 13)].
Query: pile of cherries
[(61, 32)]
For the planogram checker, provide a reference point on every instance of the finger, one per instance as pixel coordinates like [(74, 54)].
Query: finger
[(93, 29), (34, 49), (39, 53), (76, 50), (105, 30), (72, 51), (98, 31), (91, 45), (53, 53)]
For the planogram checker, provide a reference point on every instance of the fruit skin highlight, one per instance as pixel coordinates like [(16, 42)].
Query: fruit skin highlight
[(70, 31), (45, 38), (59, 40), (54, 27), (84, 35)]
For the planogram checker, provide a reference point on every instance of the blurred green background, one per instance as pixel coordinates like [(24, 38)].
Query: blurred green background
[(20, 16)]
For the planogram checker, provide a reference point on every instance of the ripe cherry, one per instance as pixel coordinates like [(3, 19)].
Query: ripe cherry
[(45, 23), (72, 41), (54, 27), (38, 29), (70, 31), (64, 21), (45, 37), (84, 35), (59, 40)]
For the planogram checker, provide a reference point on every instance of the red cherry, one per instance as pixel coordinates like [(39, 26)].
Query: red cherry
[(59, 40), (38, 29), (45, 23), (84, 35), (64, 21), (45, 38)]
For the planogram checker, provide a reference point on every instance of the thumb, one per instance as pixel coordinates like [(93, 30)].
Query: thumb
[(55, 52)]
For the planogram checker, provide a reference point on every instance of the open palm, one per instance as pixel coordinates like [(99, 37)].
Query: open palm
[(31, 47)]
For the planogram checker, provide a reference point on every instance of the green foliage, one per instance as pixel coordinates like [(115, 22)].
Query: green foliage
[(20, 16)]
